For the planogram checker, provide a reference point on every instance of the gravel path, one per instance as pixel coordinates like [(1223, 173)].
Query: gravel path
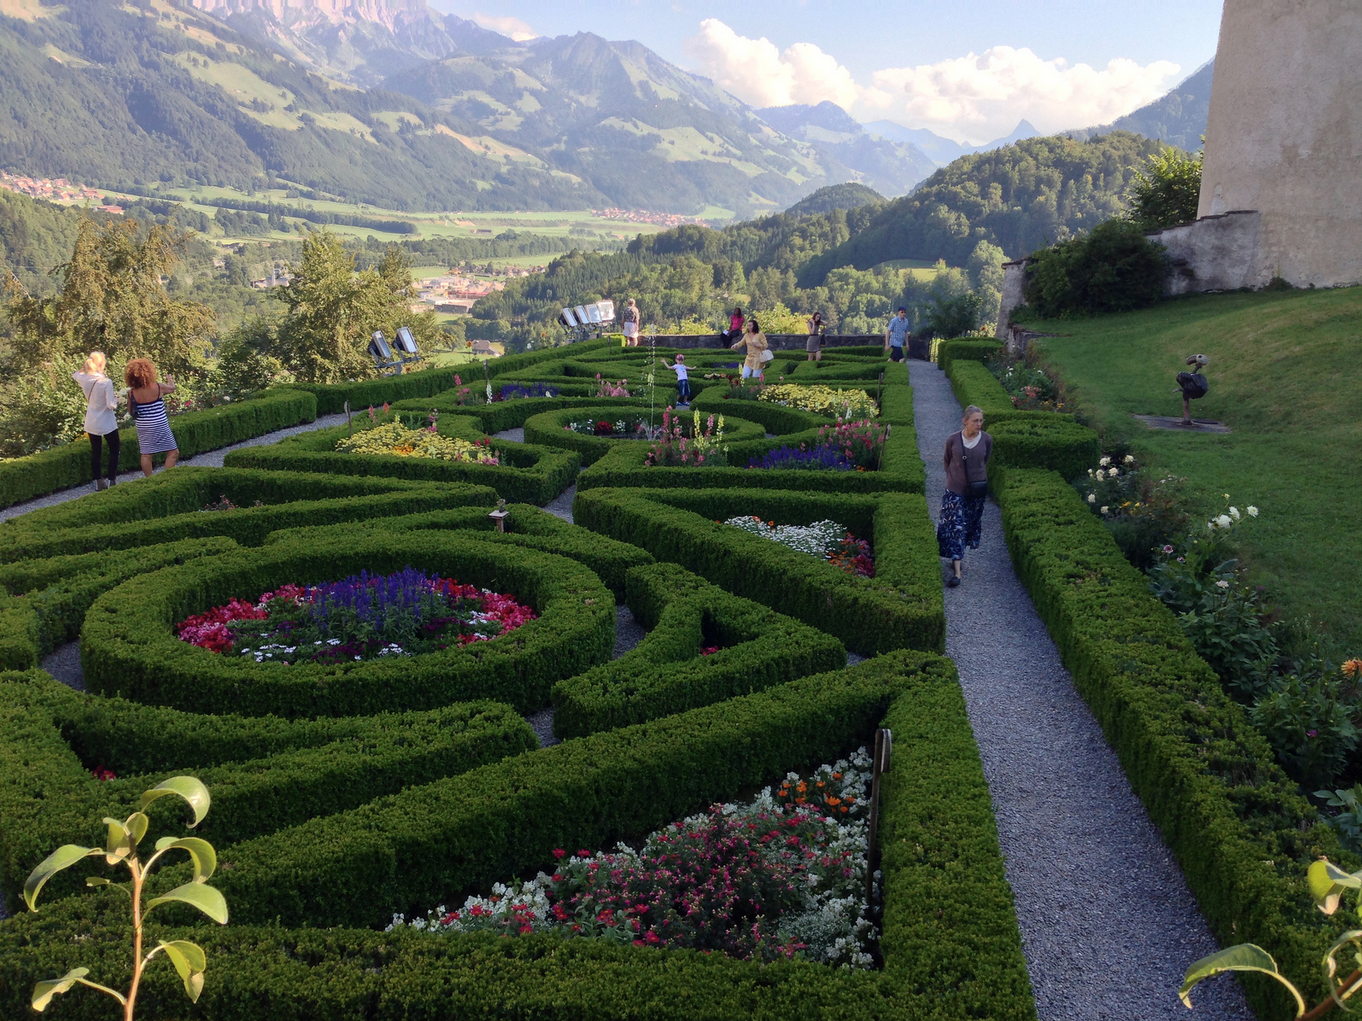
[(628, 633), (209, 459), (1108, 924)]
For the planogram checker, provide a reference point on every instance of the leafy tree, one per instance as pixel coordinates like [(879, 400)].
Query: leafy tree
[(1113, 269), (1167, 191), (332, 310), (112, 299)]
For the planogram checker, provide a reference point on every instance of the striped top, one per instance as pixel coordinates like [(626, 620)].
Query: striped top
[(153, 427)]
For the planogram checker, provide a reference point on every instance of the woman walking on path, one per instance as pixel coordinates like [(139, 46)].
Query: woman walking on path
[(756, 344), (149, 412), (101, 424), (962, 504), (814, 345), (630, 319)]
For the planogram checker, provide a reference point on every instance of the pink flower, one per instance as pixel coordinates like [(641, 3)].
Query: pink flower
[(558, 852)]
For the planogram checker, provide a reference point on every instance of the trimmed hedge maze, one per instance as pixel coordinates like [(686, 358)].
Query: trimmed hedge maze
[(345, 793)]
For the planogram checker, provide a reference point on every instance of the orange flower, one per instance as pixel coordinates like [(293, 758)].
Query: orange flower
[(834, 802), (1352, 669)]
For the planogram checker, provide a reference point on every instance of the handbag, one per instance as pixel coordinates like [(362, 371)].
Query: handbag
[(766, 356), (975, 489)]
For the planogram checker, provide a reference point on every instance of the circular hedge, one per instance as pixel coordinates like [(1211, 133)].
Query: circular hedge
[(548, 428), (129, 647)]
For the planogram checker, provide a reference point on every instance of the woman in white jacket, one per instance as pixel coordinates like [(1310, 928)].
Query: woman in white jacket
[(101, 424)]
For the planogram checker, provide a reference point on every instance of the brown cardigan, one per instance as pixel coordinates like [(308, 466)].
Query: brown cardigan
[(955, 468)]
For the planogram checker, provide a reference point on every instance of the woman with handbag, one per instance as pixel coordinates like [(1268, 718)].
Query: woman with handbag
[(758, 350), (961, 522)]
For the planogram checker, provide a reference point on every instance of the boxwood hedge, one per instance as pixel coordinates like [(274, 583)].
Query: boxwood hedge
[(1239, 829), (901, 607), (128, 647), (24, 478), (666, 673), (527, 473)]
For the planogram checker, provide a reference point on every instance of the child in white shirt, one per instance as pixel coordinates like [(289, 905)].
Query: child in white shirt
[(682, 381)]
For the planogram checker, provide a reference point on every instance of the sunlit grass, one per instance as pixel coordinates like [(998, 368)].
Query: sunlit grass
[(1286, 377)]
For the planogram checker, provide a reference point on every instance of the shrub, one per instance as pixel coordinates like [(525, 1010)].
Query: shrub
[(1115, 268), (1234, 821), (665, 673), (25, 478), (128, 647), (900, 608)]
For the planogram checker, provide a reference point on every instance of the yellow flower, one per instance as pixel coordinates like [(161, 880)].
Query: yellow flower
[(1352, 668)]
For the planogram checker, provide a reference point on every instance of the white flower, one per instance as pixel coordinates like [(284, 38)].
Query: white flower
[(1113, 472), (1128, 459), (1234, 513), (1104, 462), (1252, 511), (1222, 583), (1223, 521), (1092, 498), (1105, 509)]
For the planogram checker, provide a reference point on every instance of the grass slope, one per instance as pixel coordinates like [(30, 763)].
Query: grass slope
[(1285, 376)]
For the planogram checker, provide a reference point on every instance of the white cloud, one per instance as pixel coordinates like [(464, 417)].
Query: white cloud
[(982, 97), (975, 98), (757, 72), (513, 27)]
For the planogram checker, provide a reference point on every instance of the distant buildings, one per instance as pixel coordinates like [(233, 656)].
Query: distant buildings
[(644, 216), (54, 190)]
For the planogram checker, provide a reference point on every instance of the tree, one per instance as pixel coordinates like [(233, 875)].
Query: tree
[(1113, 269), (1167, 191), (332, 310), (112, 300)]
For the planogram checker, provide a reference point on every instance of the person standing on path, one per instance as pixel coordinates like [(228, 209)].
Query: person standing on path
[(814, 345), (757, 345), (101, 424), (149, 412), (897, 335), (630, 318), (682, 380), (961, 521)]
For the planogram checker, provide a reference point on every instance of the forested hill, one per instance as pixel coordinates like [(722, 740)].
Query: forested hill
[(1020, 198)]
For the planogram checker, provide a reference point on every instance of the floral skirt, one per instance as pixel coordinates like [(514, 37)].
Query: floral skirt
[(961, 525)]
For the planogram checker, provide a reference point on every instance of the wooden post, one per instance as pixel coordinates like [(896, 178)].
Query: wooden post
[(884, 744)]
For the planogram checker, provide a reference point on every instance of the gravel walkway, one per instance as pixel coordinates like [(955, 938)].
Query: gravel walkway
[(1108, 924), (209, 459)]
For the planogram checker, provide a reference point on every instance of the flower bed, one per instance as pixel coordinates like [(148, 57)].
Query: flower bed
[(632, 427), (780, 876), (401, 440), (822, 399), (699, 446), (363, 617), (825, 539)]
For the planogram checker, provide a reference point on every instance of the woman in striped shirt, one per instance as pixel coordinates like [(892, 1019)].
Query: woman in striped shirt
[(149, 412)]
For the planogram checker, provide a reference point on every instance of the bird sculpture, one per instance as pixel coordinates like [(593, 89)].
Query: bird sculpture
[(1192, 385)]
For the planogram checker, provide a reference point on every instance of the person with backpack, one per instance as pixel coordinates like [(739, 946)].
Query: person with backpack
[(961, 522)]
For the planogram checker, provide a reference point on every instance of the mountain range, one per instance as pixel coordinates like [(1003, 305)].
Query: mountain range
[(398, 107)]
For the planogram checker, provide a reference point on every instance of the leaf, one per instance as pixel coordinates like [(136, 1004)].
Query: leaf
[(190, 962), (117, 846), (187, 787), (198, 895), (48, 988), (1244, 957), (204, 857), (136, 825), (62, 858), (1327, 882)]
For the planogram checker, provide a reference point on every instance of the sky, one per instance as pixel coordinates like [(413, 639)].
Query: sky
[(968, 70)]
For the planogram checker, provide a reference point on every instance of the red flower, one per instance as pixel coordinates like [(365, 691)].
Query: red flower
[(558, 852)]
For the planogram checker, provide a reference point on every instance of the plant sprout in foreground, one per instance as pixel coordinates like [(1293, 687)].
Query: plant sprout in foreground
[(121, 848), (1328, 883)]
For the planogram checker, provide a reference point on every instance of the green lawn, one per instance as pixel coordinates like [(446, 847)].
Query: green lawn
[(1286, 376)]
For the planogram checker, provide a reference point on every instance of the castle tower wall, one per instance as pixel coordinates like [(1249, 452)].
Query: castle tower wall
[(1284, 135)]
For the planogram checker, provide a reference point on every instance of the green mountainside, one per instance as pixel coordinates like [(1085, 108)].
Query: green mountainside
[(1019, 198), (146, 93), (1179, 118)]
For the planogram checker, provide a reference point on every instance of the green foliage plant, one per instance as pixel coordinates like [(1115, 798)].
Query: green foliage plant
[(1167, 191), (1329, 885), (121, 849), (1115, 268)]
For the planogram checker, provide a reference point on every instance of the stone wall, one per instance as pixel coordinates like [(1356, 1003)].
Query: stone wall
[(1284, 138), (1014, 296), (1215, 253)]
